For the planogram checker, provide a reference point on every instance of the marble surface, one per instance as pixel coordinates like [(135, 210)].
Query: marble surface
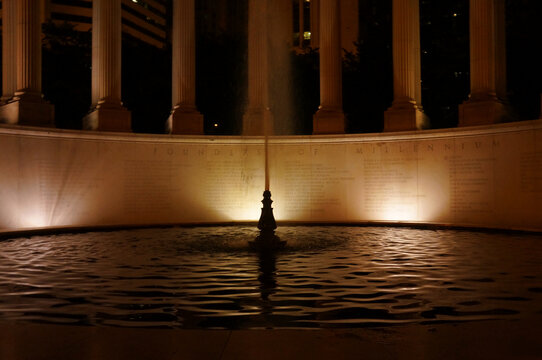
[(487, 176)]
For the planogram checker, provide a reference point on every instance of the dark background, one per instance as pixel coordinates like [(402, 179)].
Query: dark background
[(367, 72)]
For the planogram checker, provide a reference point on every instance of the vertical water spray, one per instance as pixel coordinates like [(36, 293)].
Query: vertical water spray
[(266, 164), (267, 240), (266, 95)]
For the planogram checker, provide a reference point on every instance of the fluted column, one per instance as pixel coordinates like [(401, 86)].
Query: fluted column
[(279, 47), (22, 67), (28, 35), (107, 112), (184, 118), (9, 68), (257, 119), (406, 111), (329, 119), (487, 64)]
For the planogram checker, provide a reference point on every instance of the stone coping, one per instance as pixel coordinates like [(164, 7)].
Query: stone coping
[(301, 139), (390, 179), (7, 234)]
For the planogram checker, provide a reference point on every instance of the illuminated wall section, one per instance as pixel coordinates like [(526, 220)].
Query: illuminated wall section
[(484, 176)]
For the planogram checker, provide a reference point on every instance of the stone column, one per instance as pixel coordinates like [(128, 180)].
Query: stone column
[(279, 48), (23, 71), (184, 118), (329, 119), (487, 64), (45, 13), (257, 119), (107, 112), (406, 111), (9, 66), (315, 23)]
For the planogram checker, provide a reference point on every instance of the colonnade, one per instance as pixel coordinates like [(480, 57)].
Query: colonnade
[(22, 101)]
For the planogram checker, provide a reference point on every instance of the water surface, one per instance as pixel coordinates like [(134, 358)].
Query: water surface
[(326, 277)]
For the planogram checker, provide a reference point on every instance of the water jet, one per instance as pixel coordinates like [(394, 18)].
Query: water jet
[(267, 240)]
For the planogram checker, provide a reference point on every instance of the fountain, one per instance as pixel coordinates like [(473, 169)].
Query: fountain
[(267, 240)]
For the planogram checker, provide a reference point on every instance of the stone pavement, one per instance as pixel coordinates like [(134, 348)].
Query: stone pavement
[(500, 339)]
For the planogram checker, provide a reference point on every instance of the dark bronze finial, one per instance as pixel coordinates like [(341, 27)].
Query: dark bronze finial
[(267, 240), (267, 220)]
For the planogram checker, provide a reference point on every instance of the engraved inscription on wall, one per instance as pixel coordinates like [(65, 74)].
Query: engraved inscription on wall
[(471, 184), (389, 184), (313, 185), (297, 178), (147, 186), (531, 172), (230, 177)]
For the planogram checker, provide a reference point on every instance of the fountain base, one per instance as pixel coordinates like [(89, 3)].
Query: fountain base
[(267, 240)]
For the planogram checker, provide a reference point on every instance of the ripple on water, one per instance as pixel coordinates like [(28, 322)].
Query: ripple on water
[(326, 277)]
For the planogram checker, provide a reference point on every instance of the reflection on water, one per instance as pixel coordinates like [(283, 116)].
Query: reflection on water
[(327, 276)]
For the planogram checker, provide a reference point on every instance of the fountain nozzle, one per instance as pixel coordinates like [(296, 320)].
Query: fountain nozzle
[(267, 221), (267, 240)]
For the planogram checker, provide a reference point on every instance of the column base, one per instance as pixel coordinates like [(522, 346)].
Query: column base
[(117, 119), (185, 121), (258, 122), (405, 117), (481, 112), (28, 113), (328, 122)]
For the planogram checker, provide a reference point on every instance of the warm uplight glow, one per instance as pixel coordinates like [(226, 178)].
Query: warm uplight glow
[(215, 125), (65, 179), (307, 35)]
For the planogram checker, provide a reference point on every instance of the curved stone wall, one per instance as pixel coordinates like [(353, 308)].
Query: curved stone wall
[(481, 176)]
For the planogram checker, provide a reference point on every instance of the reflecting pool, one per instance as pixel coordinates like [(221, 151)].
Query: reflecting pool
[(206, 277)]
